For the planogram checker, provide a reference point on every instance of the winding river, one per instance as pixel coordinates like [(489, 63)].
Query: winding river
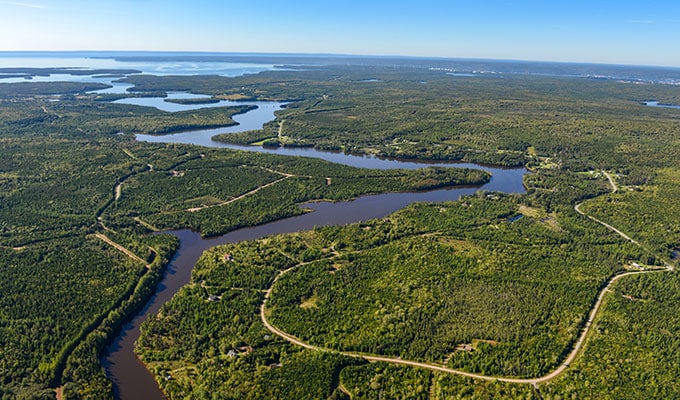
[(130, 377)]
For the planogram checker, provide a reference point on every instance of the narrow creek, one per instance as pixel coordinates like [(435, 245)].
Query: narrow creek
[(131, 379)]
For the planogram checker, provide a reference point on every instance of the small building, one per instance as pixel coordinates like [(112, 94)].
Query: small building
[(228, 257), (213, 297), (232, 354)]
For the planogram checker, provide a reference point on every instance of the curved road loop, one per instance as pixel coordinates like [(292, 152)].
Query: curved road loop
[(434, 367)]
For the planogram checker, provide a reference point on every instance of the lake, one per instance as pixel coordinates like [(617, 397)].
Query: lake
[(94, 61)]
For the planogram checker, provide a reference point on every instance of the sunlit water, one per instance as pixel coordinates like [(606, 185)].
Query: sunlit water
[(131, 379)]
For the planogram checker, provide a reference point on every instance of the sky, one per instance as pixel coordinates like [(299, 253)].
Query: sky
[(638, 32)]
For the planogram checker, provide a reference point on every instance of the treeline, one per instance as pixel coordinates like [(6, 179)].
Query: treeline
[(82, 117), (82, 377), (53, 294), (192, 101), (382, 380), (32, 72), (29, 89), (385, 381)]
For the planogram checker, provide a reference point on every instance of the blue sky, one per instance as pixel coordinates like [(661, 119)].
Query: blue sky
[(621, 32)]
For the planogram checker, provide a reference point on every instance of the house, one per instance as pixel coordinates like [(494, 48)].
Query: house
[(227, 257)]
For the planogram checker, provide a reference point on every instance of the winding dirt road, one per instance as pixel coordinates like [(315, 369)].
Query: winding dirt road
[(120, 248), (623, 235), (252, 192), (434, 367), (615, 188)]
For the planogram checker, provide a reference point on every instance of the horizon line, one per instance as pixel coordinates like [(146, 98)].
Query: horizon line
[(340, 55)]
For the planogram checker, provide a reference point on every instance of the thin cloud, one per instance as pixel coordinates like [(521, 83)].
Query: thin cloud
[(28, 5), (643, 21)]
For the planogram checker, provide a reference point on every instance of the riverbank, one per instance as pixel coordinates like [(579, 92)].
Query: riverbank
[(362, 290), (559, 370), (130, 378)]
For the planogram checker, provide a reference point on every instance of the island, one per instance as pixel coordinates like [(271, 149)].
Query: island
[(510, 236)]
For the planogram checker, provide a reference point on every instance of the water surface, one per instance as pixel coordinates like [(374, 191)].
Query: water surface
[(163, 105), (131, 379), (160, 68), (657, 104)]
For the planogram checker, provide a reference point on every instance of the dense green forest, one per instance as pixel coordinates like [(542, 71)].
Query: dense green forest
[(519, 289), (462, 284), (70, 169), (381, 380), (650, 213), (417, 113), (375, 287), (494, 284), (634, 350)]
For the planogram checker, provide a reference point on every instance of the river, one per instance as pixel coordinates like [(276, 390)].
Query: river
[(131, 379)]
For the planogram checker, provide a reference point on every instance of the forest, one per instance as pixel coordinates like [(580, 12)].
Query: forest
[(423, 114), (633, 352), (71, 168), (428, 283), (382, 301), (493, 284)]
